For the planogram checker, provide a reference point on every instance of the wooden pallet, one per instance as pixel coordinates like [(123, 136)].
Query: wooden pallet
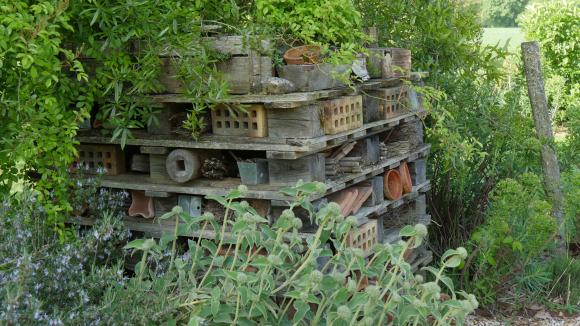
[(288, 148), (271, 192), (367, 212), (157, 227), (294, 100)]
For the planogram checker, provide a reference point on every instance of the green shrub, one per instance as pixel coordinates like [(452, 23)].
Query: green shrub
[(37, 96), (571, 182), (253, 273), (331, 24), (481, 130), (269, 274), (564, 271), (518, 230), (44, 281), (502, 13), (442, 35), (556, 25)]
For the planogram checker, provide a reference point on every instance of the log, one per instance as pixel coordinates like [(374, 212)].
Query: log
[(543, 124)]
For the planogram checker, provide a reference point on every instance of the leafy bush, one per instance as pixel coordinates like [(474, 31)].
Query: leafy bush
[(442, 35), (43, 281), (481, 130), (252, 272), (258, 272), (571, 181), (555, 24), (502, 13), (331, 24), (518, 230), (38, 95), (563, 271)]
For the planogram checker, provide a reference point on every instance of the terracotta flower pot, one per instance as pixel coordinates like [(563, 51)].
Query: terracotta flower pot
[(305, 54), (393, 186), (406, 178), (141, 204)]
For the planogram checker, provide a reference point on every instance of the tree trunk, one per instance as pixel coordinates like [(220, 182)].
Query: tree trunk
[(543, 124)]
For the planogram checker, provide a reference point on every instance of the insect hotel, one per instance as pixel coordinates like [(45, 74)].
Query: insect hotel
[(297, 121)]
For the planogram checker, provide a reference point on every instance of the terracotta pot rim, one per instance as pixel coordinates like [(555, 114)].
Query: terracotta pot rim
[(304, 54), (392, 179), (406, 177)]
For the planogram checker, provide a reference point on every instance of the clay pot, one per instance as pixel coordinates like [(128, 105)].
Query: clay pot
[(406, 178), (141, 204), (392, 185), (305, 54)]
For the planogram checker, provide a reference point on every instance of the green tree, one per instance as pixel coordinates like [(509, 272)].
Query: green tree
[(556, 25), (502, 13)]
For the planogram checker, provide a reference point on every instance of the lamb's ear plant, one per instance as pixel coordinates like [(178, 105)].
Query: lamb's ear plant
[(246, 270)]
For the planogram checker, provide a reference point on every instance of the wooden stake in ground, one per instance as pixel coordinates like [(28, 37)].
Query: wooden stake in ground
[(543, 123)]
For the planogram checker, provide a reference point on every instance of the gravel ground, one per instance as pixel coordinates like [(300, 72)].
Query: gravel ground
[(541, 318)]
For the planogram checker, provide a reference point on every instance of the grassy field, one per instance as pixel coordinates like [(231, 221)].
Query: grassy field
[(513, 35)]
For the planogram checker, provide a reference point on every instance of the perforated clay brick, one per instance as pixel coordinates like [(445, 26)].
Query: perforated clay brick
[(393, 103), (108, 157), (250, 122), (365, 237), (342, 114)]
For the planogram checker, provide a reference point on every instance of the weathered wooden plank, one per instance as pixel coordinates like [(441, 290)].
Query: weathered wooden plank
[(371, 103), (157, 169), (288, 172), (222, 187), (293, 99), (418, 171), (164, 205), (298, 147), (238, 44), (303, 122), (154, 150), (367, 149), (308, 78), (378, 195), (140, 163), (246, 74), (162, 194), (190, 204)]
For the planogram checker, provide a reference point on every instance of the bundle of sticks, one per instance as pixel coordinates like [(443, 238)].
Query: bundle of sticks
[(338, 162), (394, 149)]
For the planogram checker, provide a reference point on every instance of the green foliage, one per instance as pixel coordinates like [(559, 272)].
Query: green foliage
[(128, 44), (571, 181), (442, 35), (42, 280), (267, 273), (250, 272), (556, 25), (481, 130), (322, 22), (37, 95), (564, 270), (518, 230), (502, 13)]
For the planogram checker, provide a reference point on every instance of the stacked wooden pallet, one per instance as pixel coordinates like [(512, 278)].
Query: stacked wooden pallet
[(345, 137)]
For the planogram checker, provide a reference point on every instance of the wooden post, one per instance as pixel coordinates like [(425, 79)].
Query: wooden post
[(543, 124)]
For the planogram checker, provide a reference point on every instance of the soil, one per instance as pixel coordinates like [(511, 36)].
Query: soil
[(536, 315)]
